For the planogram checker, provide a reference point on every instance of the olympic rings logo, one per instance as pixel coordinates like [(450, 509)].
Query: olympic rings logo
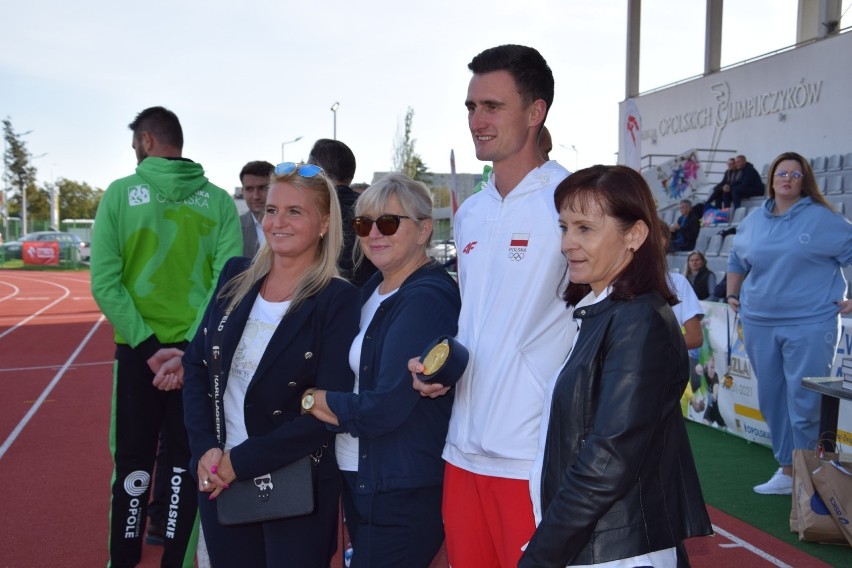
[(516, 256)]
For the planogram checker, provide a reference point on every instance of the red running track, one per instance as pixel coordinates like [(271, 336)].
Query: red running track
[(56, 379)]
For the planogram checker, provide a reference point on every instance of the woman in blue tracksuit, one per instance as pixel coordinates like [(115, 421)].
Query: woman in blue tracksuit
[(391, 439), (785, 279)]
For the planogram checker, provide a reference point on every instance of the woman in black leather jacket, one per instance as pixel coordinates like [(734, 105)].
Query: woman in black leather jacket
[(615, 478)]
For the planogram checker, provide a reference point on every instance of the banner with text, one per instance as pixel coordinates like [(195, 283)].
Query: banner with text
[(724, 394)]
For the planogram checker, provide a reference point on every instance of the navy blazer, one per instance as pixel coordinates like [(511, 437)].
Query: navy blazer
[(400, 434), (310, 348)]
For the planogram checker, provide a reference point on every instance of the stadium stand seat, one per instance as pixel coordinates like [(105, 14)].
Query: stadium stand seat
[(739, 215), (818, 164), (847, 161), (839, 206), (726, 246), (834, 185), (702, 242), (714, 245), (835, 161), (847, 181)]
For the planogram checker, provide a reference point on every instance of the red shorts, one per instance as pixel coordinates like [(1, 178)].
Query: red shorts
[(487, 519)]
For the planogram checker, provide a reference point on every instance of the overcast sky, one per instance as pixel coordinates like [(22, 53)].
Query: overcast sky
[(245, 77)]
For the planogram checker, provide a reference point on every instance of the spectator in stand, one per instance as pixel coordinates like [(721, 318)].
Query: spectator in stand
[(684, 231), (784, 278), (701, 278), (254, 179), (746, 183), (723, 187)]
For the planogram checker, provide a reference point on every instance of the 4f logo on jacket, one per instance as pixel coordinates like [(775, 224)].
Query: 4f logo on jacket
[(138, 195)]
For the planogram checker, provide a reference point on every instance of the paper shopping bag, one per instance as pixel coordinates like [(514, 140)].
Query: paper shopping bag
[(815, 523), (833, 481)]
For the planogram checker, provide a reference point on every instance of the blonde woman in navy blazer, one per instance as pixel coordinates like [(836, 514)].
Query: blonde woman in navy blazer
[(290, 295)]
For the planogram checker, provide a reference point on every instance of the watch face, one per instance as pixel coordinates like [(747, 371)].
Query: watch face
[(308, 401)]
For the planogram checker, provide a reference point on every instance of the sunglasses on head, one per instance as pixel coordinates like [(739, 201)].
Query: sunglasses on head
[(304, 170), (387, 224)]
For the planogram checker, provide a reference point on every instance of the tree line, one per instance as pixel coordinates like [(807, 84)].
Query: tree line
[(77, 200)]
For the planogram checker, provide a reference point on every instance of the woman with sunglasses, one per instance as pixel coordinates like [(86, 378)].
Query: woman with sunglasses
[(282, 322), (785, 280), (391, 438)]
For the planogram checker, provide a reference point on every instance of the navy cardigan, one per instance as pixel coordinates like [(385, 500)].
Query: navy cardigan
[(401, 434)]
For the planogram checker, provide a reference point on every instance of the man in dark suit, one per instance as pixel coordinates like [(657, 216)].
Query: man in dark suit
[(254, 178), (338, 162)]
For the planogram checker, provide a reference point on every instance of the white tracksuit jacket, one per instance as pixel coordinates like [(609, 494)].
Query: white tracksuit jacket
[(513, 321)]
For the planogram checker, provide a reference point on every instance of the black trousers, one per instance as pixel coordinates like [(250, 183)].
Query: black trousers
[(140, 412), (393, 528)]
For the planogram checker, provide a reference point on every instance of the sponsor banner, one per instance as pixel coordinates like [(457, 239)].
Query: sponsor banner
[(40, 252), (726, 396)]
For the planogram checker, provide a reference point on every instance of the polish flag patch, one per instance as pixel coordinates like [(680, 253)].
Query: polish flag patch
[(520, 240)]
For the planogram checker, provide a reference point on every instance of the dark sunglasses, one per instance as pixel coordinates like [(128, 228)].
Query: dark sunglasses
[(386, 224), (304, 170)]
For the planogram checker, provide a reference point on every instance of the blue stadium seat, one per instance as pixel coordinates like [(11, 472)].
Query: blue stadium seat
[(847, 161), (818, 164)]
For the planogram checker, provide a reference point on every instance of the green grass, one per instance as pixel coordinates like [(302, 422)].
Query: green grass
[(729, 467)]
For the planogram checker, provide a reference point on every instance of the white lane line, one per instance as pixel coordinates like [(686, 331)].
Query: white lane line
[(751, 548), (55, 381), (43, 367), (12, 294), (37, 313)]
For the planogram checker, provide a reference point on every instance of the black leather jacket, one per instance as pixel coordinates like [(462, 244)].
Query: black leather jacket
[(618, 476)]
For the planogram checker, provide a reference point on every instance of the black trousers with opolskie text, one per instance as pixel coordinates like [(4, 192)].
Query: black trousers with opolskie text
[(139, 412)]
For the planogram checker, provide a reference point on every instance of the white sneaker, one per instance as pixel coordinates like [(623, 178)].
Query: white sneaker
[(779, 484)]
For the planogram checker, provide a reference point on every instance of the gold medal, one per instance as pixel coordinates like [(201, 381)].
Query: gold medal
[(436, 358)]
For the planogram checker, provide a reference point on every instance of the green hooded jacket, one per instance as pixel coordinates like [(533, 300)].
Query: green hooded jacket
[(160, 238)]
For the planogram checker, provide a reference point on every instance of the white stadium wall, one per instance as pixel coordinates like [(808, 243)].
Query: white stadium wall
[(795, 100)]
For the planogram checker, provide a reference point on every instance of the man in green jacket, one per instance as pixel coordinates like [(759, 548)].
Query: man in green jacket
[(161, 236)]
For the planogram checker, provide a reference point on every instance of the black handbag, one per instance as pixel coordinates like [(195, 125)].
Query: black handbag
[(283, 493)]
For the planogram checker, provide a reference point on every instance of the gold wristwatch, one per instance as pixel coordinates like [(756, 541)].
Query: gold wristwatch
[(308, 401)]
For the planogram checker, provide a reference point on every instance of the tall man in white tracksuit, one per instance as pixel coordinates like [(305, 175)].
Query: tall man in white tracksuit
[(512, 320)]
